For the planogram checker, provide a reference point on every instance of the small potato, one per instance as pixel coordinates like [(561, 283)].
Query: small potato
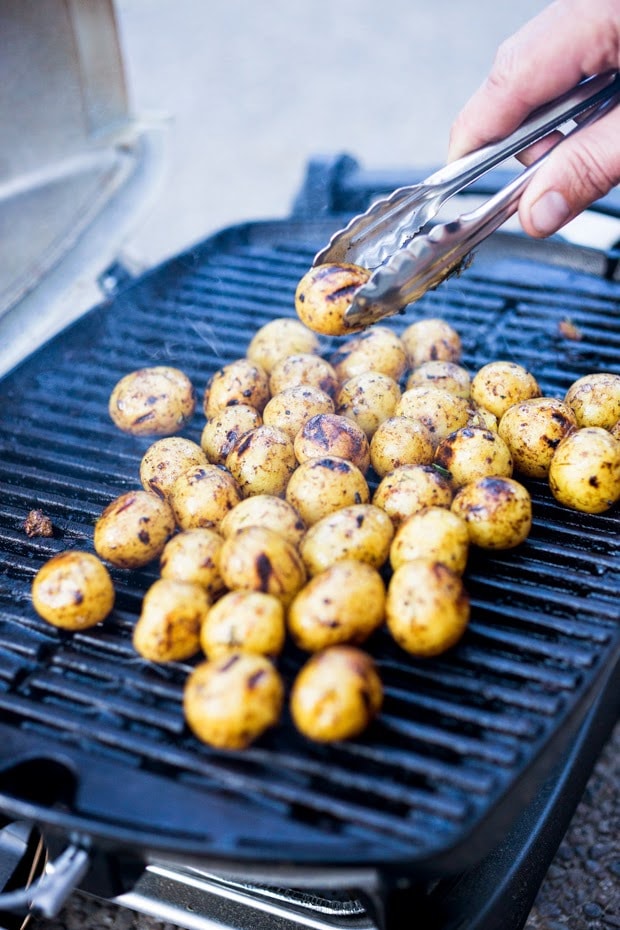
[(343, 604), (154, 401), (225, 429), (266, 510), (165, 460), (499, 385), (363, 532), (73, 590), (532, 430), (595, 399), (193, 556), (427, 607), (324, 294), (332, 434), (244, 621), (470, 452), (303, 369), (230, 701), (239, 382), (336, 694), (400, 441), (259, 559), (376, 349), (434, 533), (292, 408), (278, 339), (498, 512), (368, 399), (431, 340), (585, 470), (441, 374), (439, 410), (322, 485), (262, 461), (478, 416), (168, 628), (133, 529), (202, 496), (411, 488)]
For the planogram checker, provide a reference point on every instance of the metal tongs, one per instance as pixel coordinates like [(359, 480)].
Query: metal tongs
[(407, 254)]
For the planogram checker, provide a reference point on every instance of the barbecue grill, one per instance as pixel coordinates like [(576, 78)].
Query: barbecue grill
[(452, 804)]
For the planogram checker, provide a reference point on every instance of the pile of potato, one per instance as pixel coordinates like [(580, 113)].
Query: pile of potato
[(267, 527)]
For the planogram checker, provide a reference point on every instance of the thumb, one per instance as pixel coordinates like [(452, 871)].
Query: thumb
[(581, 169)]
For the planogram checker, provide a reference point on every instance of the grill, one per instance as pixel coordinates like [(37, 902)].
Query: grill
[(93, 737)]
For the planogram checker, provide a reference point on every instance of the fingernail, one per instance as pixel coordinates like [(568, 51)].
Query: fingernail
[(549, 212)]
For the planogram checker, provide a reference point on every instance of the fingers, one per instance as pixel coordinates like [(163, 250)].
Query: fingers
[(568, 40)]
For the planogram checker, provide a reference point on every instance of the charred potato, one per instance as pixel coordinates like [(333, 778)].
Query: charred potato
[(73, 590), (363, 532), (202, 496), (439, 410), (499, 385), (434, 533), (532, 431), (410, 488), (336, 694), (266, 510), (244, 621), (368, 399), (165, 460), (303, 369), (431, 340), (585, 470), (230, 701), (376, 349), (332, 434), (193, 556), (289, 410), (322, 485), (221, 434), (278, 339), (427, 607), (262, 461), (324, 294), (400, 441), (168, 628), (441, 374), (595, 399), (259, 559), (239, 382), (471, 452), (498, 512), (133, 529), (154, 401)]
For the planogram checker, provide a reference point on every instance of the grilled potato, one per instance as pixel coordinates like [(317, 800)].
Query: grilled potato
[(263, 461), (470, 452), (376, 349), (532, 430), (73, 590), (202, 496), (368, 399), (244, 621), (332, 434), (324, 294), (225, 429), (239, 382), (278, 339), (322, 485), (439, 410), (168, 629), (134, 529), (441, 374), (155, 401), (303, 369), (362, 531), (585, 470), (595, 399), (293, 407), (336, 694), (431, 340), (434, 533), (411, 488), (165, 460), (259, 559), (400, 441), (498, 512), (499, 385), (193, 556), (266, 510)]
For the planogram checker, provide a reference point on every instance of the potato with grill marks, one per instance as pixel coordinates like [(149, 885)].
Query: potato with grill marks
[(244, 621), (239, 382), (165, 460), (133, 529), (411, 488), (400, 441), (263, 461), (222, 432), (266, 510), (368, 399), (168, 628), (324, 294), (278, 339), (376, 349), (202, 496), (533, 429), (259, 559), (322, 485), (332, 434), (442, 374), (303, 369), (73, 590), (431, 340), (289, 410), (155, 401), (439, 410), (362, 531), (471, 453), (498, 512), (498, 385), (585, 470), (435, 533), (595, 399), (193, 556)]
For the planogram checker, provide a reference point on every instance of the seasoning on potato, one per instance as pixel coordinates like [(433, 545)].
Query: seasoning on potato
[(259, 559), (262, 461), (289, 410), (595, 399), (498, 385), (434, 533), (343, 604), (73, 590), (222, 432), (368, 399), (400, 441), (427, 607), (266, 510), (498, 512), (336, 694), (362, 531), (155, 401), (244, 621), (278, 339), (376, 349), (165, 460), (410, 488), (439, 410), (431, 340), (193, 556), (322, 485), (585, 470), (324, 294), (470, 452), (203, 495), (332, 434), (441, 374), (133, 529), (532, 430), (239, 382), (230, 701), (304, 368), (168, 628)]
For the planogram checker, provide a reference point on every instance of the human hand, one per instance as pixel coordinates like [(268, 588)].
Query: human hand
[(567, 41)]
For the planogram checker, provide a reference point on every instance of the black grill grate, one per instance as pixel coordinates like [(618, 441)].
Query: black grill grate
[(458, 734)]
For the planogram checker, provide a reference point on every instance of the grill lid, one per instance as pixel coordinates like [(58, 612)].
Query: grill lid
[(93, 737)]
